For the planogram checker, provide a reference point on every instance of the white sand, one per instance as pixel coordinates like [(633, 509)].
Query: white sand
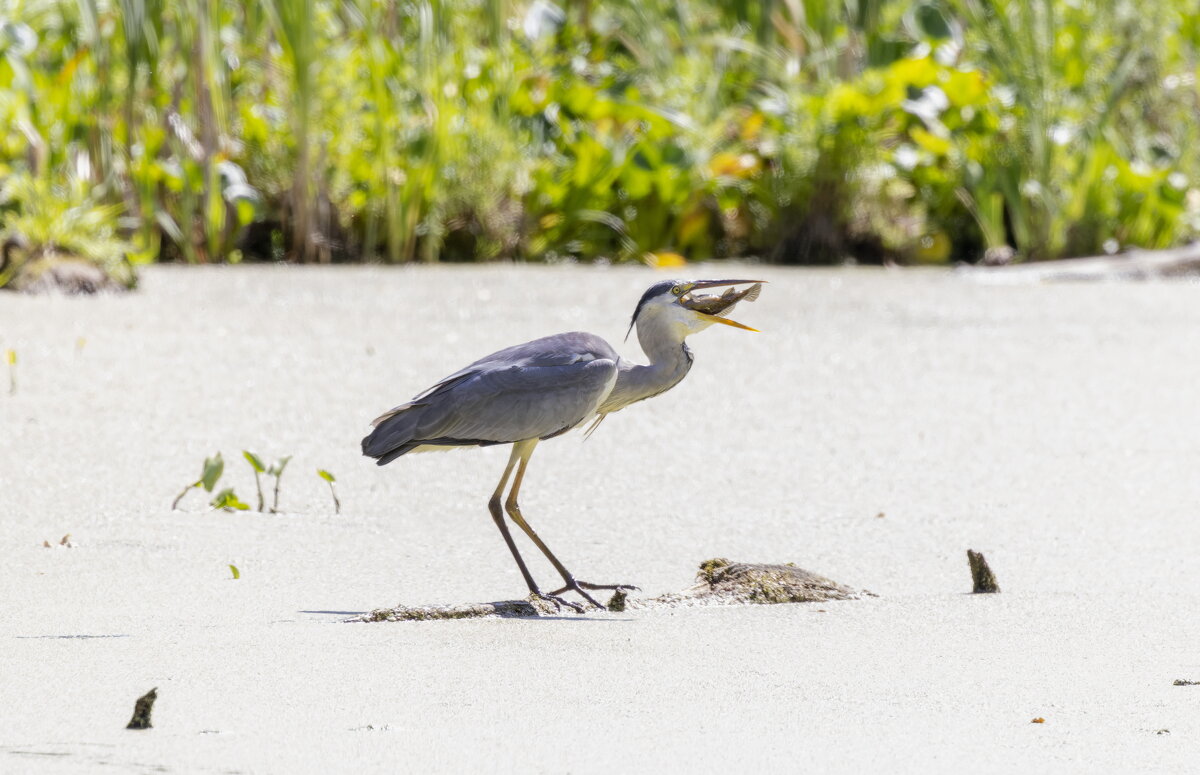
[(1052, 427)]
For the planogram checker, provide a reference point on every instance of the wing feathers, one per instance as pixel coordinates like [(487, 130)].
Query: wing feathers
[(535, 390)]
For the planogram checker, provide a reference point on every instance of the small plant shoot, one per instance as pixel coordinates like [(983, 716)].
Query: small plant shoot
[(276, 471), (330, 478), (259, 469), (236, 573), (227, 500), (213, 468)]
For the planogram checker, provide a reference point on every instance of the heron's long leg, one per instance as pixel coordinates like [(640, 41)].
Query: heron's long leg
[(525, 450), (498, 516)]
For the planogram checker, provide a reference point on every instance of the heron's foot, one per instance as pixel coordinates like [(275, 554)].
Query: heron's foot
[(556, 601), (596, 587), (582, 588)]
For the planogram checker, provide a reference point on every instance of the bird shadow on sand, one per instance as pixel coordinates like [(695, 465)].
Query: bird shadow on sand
[(529, 609), (502, 609), (718, 582)]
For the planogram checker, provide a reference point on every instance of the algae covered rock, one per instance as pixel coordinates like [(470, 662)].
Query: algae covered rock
[(744, 582), (722, 582)]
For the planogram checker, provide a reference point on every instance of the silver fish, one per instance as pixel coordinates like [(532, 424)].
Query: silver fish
[(721, 305)]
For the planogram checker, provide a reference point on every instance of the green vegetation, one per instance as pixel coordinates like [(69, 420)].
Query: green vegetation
[(276, 470), (57, 228), (259, 469), (330, 478), (227, 499), (795, 130), (213, 468)]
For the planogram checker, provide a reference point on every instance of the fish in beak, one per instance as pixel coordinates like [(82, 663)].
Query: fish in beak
[(714, 308)]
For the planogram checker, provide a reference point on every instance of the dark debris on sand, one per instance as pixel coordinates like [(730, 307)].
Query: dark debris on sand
[(719, 582), (142, 709)]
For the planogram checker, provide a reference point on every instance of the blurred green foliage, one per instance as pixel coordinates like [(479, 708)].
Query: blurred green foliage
[(796, 130)]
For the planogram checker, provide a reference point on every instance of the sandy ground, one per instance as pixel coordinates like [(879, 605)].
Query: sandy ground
[(1052, 427)]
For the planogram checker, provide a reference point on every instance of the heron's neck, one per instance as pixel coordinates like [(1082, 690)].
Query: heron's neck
[(670, 360)]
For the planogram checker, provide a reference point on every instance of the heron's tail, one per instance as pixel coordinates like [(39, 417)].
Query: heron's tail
[(393, 436)]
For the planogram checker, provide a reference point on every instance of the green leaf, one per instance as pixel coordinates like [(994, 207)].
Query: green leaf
[(213, 467), (928, 20), (326, 475), (227, 499), (245, 211), (236, 573), (280, 464), (12, 357), (254, 461)]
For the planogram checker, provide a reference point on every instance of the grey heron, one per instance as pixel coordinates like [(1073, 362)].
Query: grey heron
[(541, 389)]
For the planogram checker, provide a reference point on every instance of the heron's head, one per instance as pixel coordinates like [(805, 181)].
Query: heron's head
[(677, 305)]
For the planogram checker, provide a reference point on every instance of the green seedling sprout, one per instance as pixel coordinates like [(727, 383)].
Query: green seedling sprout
[(277, 472), (227, 500), (236, 573), (337, 505), (11, 357), (256, 463), (213, 467)]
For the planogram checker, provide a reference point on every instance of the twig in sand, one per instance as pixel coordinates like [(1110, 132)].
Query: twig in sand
[(981, 575), (141, 710)]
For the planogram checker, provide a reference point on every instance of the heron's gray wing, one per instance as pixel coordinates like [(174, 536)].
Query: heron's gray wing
[(533, 390), (556, 350), (517, 402)]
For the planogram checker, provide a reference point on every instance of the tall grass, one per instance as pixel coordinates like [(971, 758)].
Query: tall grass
[(796, 130), (1080, 76), (294, 24)]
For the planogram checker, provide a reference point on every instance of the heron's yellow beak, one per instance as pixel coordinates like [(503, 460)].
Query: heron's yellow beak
[(727, 322)]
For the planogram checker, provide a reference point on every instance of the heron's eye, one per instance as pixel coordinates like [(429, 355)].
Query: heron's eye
[(678, 289)]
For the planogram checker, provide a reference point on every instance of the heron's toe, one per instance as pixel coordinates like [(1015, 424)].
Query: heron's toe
[(556, 601), (611, 587)]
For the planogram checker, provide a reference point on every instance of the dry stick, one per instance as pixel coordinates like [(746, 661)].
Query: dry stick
[(141, 710), (981, 575)]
